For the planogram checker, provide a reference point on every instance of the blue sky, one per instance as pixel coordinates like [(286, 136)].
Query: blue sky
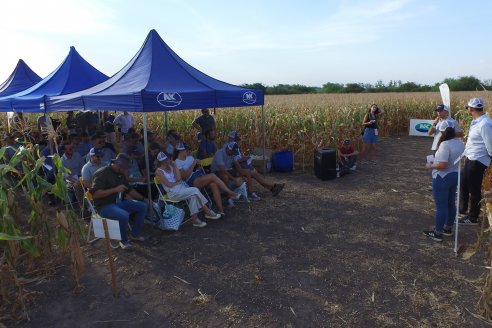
[(272, 42)]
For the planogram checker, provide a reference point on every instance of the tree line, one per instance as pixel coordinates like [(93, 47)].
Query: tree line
[(463, 83)]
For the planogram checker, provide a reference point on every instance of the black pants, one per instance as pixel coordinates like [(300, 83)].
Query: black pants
[(471, 187)]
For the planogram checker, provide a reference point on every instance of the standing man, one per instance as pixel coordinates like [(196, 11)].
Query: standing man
[(442, 115), (204, 122), (108, 183), (478, 151), (126, 121)]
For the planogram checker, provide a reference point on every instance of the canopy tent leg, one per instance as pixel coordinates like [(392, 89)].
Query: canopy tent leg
[(457, 208), (264, 138), (147, 162)]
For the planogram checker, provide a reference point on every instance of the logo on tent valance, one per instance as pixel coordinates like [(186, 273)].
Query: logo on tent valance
[(169, 99), (249, 97)]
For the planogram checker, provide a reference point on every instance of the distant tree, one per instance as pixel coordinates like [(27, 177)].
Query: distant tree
[(464, 83), (254, 86), (354, 88), (332, 88)]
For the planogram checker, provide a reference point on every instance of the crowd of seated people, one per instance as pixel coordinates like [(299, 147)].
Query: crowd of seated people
[(92, 145)]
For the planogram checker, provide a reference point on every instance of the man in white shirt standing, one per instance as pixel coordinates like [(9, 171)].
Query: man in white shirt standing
[(126, 121), (442, 115), (478, 151)]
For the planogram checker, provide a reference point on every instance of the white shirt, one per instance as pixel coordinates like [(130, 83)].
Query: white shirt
[(437, 134), (479, 143), (185, 164), (448, 152), (126, 121)]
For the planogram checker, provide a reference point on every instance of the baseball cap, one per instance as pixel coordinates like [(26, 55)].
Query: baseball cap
[(446, 124), (476, 103), (124, 160), (234, 135), (95, 152), (441, 107), (234, 147), (181, 146), (161, 156), (346, 142)]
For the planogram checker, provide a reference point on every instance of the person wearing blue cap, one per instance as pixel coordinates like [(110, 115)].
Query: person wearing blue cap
[(90, 168), (445, 180), (478, 151), (442, 115)]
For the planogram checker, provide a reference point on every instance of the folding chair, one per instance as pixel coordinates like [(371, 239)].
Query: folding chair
[(164, 197)]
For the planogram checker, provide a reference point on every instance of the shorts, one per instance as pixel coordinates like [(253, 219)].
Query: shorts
[(369, 136), (193, 177)]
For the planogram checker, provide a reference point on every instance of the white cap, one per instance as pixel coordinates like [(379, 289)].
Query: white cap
[(475, 103), (161, 156)]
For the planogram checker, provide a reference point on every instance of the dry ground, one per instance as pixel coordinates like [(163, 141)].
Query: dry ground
[(342, 253)]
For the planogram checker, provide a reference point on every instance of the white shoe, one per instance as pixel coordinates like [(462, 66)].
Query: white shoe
[(199, 223), (212, 215)]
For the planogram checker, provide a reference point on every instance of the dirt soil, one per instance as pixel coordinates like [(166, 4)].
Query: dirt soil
[(347, 252)]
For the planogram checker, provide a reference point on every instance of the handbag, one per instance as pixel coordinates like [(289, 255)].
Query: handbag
[(172, 217)]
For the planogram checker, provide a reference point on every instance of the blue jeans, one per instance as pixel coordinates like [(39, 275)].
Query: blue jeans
[(444, 192), (121, 212)]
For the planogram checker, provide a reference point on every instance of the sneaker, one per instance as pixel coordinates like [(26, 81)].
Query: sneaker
[(254, 196), (277, 188), (467, 220), (230, 203), (447, 232), (139, 238), (126, 246), (212, 215), (236, 197), (353, 168), (433, 235), (199, 223)]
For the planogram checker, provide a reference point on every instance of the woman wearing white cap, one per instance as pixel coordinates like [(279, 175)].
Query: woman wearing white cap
[(445, 180), (187, 165), (169, 176)]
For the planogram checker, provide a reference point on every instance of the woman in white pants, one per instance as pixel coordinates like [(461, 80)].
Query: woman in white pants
[(169, 176)]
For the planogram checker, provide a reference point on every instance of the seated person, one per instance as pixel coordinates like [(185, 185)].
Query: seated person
[(243, 168), (347, 157), (90, 168), (11, 146), (99, 142), (168, 175), (84, 145), (172, 140), (74, 162), (108, 183), (207, 147), (194, 177), (135, 176), (131, 140)]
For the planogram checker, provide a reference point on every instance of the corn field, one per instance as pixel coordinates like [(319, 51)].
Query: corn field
[(300, 123)]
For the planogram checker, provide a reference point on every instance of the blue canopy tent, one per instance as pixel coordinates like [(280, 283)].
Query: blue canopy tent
[(157, 79), (74, 74), (21, 78)]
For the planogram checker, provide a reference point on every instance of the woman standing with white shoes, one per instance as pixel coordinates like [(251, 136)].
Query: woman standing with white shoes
[(370, 134), (169, 176)]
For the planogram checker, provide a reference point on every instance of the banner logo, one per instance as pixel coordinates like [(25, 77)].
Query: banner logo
[(169, 99), (423, 127), (249, 97)]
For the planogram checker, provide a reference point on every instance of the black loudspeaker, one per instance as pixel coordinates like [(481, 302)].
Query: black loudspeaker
[(325, 163)]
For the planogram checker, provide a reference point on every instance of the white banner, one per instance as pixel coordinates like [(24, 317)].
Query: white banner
[(420, 128)]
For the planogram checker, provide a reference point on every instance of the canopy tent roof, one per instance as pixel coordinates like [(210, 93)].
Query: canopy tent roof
[(21, 78), (157, 79), (74, 74)]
